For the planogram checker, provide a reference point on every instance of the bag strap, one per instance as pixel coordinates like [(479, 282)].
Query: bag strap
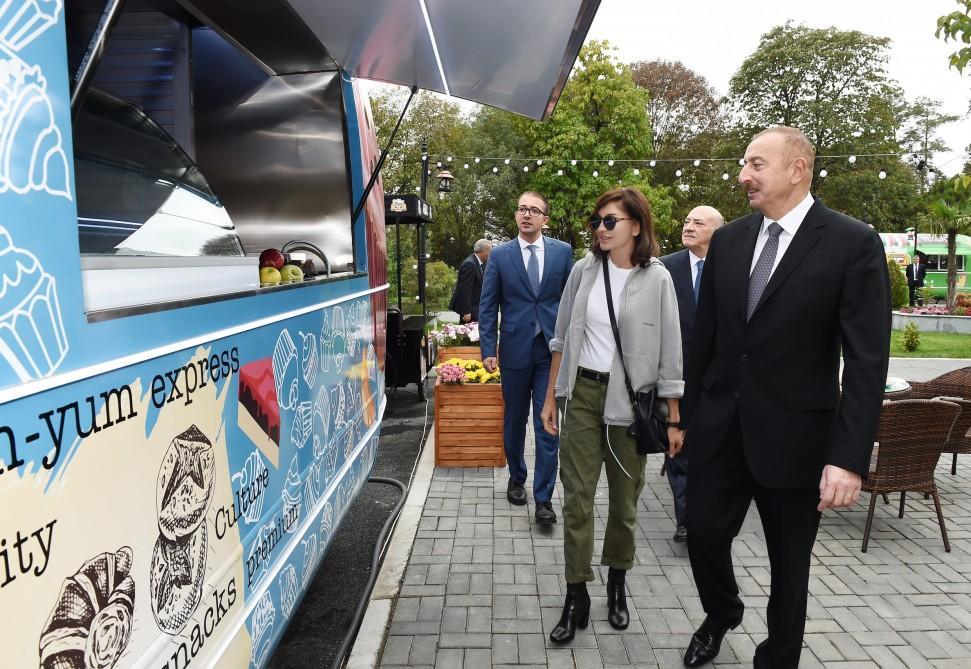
[(613, 326)]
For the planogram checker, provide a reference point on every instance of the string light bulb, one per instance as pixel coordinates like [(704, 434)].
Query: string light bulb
[(882, 175), (610, 163), (596, 173), (725, 176), (852, 159), (637, 172), (525, 168), (559, 173), (653, 163), (678, 173), (573, 162), (495, 169), (506, 161), (477, 160), (823, 173), (697, 163)]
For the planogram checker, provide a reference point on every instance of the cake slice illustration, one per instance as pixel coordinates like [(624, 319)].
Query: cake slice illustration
[(32, 339), (259, 410)]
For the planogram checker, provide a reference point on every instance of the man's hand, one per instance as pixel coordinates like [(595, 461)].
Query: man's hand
[(490, 364), (675, 441), (466, 317), (838, 488)]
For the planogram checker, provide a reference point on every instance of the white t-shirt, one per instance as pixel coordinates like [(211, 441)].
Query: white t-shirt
[(597, 350)]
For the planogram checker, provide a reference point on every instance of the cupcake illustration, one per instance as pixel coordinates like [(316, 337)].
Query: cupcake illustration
[(32, 338), (21, 22)]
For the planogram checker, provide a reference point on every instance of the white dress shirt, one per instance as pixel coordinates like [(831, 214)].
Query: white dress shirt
[(790, 224), (694, 260), (539, 251)]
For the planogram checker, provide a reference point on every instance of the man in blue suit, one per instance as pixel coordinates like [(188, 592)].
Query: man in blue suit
[(524, 280), (686, 267)]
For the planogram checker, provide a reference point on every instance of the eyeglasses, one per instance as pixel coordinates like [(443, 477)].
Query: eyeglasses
[(532, 211), (609, 221)]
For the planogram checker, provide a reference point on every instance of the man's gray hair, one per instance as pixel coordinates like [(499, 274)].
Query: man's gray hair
[(797, 144), (481, 245)]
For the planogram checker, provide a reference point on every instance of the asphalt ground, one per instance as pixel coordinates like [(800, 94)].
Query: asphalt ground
[(318, 627)]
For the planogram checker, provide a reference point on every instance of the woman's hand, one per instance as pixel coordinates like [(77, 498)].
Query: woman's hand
[(675, 441), (548, 416)]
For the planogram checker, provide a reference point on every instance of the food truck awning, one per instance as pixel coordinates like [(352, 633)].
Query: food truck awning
[(511, 54)]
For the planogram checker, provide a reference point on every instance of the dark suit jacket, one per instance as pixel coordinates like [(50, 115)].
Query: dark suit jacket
[(918, 281), (780, 370), (468, 287), (679, 265), (506, 287)]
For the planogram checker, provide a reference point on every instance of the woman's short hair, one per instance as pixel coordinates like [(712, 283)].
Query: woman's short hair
[(635, 205)]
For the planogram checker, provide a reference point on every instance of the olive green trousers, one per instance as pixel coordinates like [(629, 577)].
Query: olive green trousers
[(586, 445)]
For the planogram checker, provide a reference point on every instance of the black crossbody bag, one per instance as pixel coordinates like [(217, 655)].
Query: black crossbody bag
[(648, 429)]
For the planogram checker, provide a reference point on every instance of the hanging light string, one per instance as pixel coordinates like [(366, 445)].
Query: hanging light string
[(451, 160)]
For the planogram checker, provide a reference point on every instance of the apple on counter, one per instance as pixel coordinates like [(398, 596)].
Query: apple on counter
[(269, 276), (272, 258), (291, 274)]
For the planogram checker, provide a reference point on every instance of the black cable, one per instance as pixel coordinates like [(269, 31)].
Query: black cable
[(379, 548)]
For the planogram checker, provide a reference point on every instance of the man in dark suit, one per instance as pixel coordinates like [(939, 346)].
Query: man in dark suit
[(524, 279), (468, 286), (686, 267), (785, 290), (916, 271)]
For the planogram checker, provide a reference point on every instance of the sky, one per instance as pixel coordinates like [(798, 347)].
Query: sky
[(713, 37)]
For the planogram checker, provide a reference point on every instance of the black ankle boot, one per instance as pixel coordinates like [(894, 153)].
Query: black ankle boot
[(617, 614), (576, 613)]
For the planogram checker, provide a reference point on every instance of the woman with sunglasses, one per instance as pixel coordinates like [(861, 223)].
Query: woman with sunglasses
[(590, 387)]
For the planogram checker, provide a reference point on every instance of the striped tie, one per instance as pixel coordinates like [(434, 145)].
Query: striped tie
[(763, 269)]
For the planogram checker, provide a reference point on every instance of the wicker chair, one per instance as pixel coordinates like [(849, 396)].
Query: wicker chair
[(953, 384), (956, 383), (911, 435), (960, 439)]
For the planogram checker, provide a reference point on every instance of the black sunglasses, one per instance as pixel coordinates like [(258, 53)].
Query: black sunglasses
[(609, 221)]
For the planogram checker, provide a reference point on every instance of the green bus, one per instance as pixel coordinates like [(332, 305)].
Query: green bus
[(900, 247)]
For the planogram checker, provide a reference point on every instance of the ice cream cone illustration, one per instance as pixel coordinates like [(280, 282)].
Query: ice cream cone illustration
[(32, 338)]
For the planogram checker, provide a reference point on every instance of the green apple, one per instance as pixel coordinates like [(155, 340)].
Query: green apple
[(291, 274), (269, 276)]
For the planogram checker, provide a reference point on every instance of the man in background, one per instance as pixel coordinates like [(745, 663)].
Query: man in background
[(524, 280), (916, 271), (686, 267), (468, 287)]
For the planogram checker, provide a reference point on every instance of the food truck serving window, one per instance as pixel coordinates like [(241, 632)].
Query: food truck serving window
[(190, 154)]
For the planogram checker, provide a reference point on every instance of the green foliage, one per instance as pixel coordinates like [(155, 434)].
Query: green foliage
[(899, 296), (833, 85), (911, 337), (957, 26), (950, 212), (600, 116), (441, 282)]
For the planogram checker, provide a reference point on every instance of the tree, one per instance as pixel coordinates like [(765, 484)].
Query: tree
[(440, 280), (600, 117), (681, 105), (832, 85), (953, 218), (957, 26), (920, 137), (898, 285)]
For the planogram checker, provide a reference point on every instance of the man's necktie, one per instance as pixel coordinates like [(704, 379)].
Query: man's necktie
[(532, 272), (532, 269), (700, 266), (481, 268), (763, 269)]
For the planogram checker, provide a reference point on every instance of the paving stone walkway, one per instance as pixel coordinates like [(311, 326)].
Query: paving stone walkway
[(484, 585)]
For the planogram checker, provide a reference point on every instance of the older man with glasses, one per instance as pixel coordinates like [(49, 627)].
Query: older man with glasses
[(524, 280)]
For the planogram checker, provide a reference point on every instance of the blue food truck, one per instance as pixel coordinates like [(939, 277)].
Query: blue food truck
[(179, 443)]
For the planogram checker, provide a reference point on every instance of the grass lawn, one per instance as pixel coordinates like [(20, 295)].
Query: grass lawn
[(932, 345)]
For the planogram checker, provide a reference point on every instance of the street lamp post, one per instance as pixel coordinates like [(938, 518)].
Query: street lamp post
[(422, 254)]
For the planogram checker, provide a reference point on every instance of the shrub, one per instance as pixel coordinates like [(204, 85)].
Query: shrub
[(911, 338), (898, 285)]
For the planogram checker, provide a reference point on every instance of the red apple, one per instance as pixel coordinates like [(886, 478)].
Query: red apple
[(272, 258)]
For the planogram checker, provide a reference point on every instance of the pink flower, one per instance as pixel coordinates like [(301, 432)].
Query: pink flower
[(451, 373)]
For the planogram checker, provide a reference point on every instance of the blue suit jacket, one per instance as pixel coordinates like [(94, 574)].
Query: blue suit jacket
[(679, 265), (506, 288)]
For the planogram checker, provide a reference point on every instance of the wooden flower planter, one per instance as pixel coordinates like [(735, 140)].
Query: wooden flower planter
[(464, 352), (468, 425)]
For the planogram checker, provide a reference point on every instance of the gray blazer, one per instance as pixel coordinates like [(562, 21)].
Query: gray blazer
[(649, 332)]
